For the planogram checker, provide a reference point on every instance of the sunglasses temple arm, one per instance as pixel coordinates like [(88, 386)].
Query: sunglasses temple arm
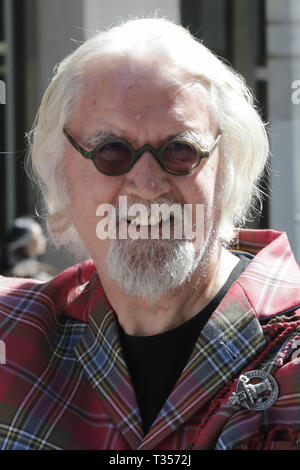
[(216, 142), (76, 145)]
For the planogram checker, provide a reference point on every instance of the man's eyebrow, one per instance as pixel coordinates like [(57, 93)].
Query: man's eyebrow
[(204, 141), (96, 139)]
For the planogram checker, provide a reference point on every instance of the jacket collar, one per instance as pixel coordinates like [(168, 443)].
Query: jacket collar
[(230, 339), (272, 280)]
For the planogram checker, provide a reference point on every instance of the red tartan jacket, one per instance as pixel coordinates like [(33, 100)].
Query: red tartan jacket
[(64, 383)]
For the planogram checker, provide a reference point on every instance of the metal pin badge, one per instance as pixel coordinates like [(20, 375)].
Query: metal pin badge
[(255, 390)]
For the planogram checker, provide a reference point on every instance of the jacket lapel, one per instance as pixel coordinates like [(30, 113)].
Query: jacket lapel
[(230, 339), (99, 353)]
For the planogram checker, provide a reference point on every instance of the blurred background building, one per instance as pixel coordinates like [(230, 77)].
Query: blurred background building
[(260, 38)]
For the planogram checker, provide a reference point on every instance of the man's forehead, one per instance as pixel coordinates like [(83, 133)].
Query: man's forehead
[(124, 78), (138, 98)]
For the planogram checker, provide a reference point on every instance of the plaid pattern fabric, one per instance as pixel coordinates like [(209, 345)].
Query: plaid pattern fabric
[(65, 383)]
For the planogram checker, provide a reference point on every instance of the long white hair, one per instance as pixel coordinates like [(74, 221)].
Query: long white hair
[(244, 144)]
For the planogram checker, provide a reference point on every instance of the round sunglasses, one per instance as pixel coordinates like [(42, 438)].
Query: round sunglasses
[(114, 156)]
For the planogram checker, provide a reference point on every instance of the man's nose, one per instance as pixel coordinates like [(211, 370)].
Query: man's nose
[(146, 178)]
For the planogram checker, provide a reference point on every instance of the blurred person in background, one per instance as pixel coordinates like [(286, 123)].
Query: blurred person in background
[(152, 344), (21, 249)]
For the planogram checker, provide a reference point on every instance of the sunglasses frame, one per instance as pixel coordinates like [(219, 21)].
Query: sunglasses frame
[(137, 153)]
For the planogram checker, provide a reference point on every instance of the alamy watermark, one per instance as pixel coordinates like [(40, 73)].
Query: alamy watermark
[(296, 94), (160, 221), (2, 92), (2, 352)]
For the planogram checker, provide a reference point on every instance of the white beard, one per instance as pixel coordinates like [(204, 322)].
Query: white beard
[(149, 268)]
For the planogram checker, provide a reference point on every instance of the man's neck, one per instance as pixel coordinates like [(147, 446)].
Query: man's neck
[(141, 317)]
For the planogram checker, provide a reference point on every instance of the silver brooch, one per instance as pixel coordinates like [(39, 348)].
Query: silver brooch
[(255, 390)]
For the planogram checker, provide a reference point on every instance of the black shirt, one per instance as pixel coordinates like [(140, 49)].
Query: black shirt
[(155, 362)]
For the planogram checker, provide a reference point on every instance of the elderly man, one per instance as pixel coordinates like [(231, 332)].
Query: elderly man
[(155, 342)]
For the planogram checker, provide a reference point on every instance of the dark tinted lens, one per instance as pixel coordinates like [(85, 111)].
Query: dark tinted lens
[(180, 156), (113, 158)]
